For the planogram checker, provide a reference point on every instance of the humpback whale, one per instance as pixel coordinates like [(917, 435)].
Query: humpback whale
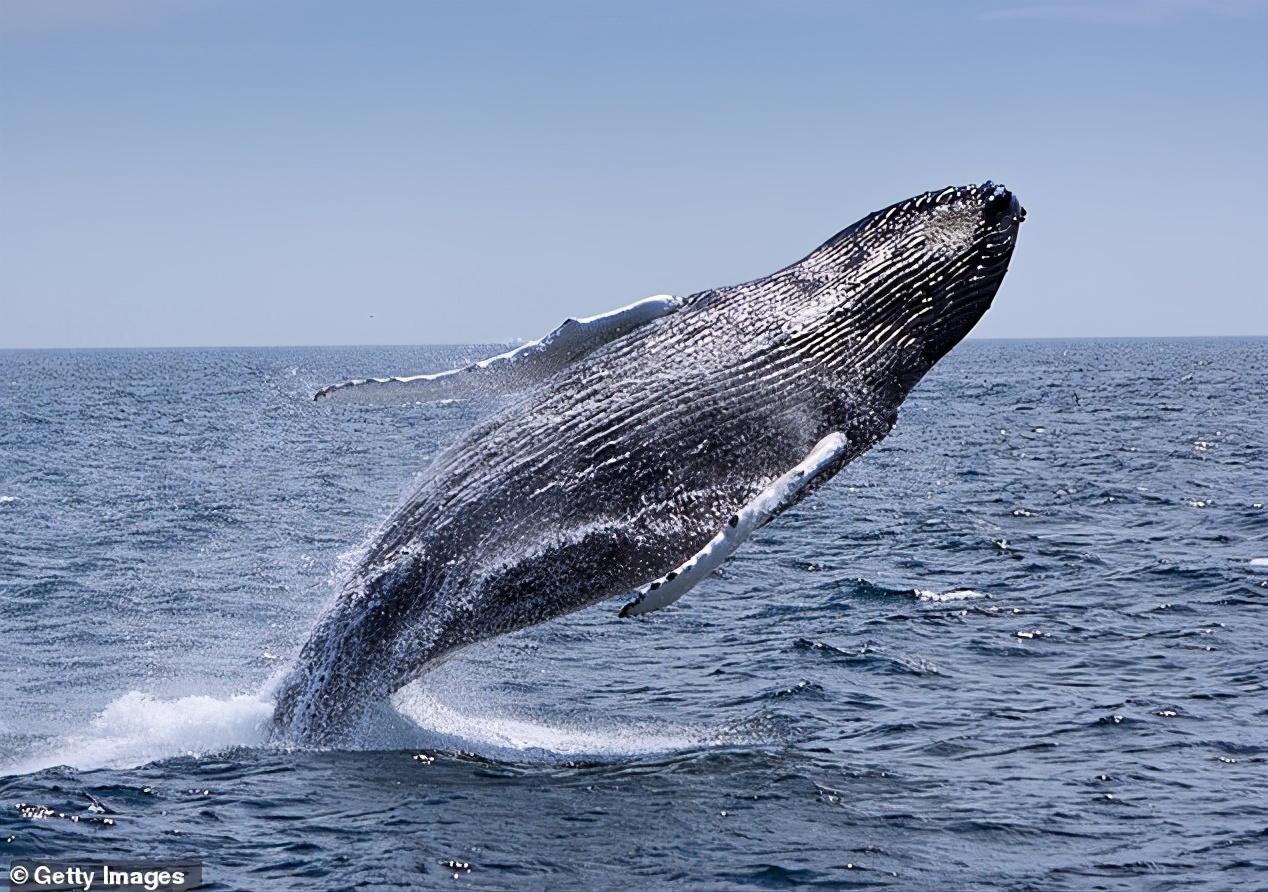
[(630, 453)]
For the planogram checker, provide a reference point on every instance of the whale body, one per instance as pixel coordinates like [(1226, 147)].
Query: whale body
[(634, 451)]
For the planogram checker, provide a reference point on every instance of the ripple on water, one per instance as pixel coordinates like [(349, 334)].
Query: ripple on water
[(909, 730), (866, 657)]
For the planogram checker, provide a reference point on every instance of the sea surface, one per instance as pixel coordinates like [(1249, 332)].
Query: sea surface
[(1022, 644)]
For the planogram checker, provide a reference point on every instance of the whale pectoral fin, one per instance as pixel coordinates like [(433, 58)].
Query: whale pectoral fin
[(516, 369), (780, 494)]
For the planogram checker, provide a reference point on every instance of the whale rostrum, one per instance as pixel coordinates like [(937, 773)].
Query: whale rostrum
[(632, 452)]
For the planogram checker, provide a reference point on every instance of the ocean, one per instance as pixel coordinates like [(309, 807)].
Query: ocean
[(1019, 645)]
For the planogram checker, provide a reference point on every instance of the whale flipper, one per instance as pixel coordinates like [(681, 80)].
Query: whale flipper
[(783, 492), (513, 370)]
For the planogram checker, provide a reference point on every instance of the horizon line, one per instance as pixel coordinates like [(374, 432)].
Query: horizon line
[(458, 344)]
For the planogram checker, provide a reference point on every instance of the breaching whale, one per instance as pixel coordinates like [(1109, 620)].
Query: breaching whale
[(635, 450)]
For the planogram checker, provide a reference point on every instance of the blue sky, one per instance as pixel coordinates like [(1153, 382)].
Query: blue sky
[(268, 172)]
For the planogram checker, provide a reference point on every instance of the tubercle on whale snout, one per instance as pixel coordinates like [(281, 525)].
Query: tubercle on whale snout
[(630, 458)]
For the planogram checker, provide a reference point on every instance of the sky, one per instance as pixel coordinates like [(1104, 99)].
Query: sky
[(257, 172)]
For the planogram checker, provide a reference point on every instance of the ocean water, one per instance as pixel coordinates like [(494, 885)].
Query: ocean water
[(1021, 644)]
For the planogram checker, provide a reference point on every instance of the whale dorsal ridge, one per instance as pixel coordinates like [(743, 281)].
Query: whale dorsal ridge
[(517, 369)]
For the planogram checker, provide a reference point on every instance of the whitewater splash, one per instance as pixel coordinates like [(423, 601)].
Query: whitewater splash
[(137, 729), (960, 594), (515, 737)]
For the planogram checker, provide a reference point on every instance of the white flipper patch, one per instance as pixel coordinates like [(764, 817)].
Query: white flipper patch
[(515, 369), (762, 508)]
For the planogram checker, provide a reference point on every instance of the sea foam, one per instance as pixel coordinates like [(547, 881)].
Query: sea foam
[(138, 728), (960, 594), (495, 734)]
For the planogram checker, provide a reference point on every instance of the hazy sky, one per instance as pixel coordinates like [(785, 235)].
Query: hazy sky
[(194, 172)]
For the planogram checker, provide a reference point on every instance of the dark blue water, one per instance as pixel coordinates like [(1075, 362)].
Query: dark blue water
[(1018, 645)]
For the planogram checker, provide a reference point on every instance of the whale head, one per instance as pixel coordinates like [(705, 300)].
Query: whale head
[(897, 290)]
